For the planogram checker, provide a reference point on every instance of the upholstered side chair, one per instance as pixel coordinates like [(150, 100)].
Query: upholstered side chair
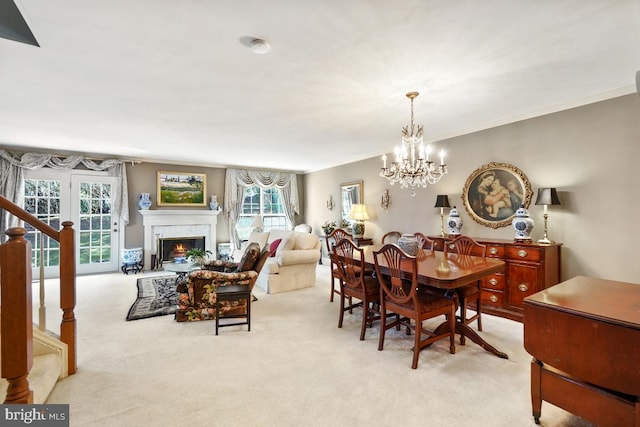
[(197, 295)]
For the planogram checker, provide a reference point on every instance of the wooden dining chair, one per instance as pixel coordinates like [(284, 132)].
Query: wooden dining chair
[(424, 242), (391, 237), (397, 273), (464, 245), (355, 284), (331, 240)]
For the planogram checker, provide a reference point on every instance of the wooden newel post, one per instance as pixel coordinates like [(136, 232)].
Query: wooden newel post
[(17, 320), (68, 292)]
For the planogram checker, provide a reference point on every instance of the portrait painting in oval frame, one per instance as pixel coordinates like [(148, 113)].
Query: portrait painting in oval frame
[(493, 192)]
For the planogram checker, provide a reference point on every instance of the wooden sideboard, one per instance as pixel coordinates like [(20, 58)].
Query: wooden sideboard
[(530, 267)]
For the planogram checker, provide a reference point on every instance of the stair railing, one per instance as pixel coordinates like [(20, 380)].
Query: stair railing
[(16, 296)]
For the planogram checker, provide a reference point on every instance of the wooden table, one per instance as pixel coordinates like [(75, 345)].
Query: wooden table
[(449, 272), (584, 335)]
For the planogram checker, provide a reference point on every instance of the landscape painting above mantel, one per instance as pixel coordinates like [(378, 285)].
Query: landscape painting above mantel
[(181, 189)]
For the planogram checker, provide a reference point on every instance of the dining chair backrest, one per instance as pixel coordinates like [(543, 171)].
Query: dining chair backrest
[(391, 237), (335, 236), (349, 258), (464, 245), (424, 242), (392, 265)]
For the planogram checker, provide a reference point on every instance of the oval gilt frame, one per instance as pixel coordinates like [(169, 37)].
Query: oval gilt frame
[(493, 192)]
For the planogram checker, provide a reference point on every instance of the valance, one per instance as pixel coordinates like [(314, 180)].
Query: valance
[(13, 165), (238, 180)]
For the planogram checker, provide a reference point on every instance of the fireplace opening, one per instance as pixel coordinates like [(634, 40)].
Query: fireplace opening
[(170, 248)]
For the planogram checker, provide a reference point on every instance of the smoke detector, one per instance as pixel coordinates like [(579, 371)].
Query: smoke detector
[(259, 46)]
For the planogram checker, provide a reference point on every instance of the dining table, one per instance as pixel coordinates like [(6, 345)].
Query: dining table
[(448, 272)]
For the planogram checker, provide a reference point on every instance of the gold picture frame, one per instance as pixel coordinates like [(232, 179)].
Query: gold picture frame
[(181, 189), (493, 192)]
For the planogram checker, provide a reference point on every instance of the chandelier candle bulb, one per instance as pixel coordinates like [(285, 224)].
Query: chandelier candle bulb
[(384, 161), (441, 157)]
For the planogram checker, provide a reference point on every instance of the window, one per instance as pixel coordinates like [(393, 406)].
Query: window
[(261, 201)]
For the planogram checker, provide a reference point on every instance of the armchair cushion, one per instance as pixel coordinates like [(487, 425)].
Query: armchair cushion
[(305, 241), (287, 243), (220, 265), (250, 256)]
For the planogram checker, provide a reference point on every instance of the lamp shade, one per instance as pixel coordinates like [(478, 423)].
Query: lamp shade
[(442, 201), (257, 221), (358, 212), (547, 196)]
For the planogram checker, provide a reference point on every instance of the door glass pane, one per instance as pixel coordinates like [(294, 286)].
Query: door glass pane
[(95, 223), (42, 199)]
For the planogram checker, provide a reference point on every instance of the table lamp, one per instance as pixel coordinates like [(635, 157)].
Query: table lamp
[(257, 224), (442, 201), (546, 197), (359, 215)]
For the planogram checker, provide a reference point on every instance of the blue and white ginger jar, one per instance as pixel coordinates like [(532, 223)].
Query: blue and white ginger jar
[(454, 222), (145, 201), (522, 224)]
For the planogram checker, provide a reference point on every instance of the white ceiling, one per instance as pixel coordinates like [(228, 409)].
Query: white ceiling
[(174, 81)]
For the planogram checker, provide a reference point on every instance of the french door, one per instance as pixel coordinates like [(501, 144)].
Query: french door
[(84, 198)]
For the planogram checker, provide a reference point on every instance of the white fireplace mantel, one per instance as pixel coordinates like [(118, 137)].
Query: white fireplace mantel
[(177, 223)]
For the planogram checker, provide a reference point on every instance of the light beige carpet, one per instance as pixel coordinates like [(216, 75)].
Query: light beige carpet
[(295, 368)]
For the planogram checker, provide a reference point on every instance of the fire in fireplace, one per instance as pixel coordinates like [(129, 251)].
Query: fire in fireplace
[(171, 247)]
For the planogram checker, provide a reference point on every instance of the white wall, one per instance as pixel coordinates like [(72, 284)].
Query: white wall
[(590, 154)]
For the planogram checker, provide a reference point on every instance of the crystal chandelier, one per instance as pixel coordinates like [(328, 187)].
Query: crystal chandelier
[(412, 166)]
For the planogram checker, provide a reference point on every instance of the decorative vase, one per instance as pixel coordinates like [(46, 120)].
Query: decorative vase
[(145, 201), (358, 228), (213, 203), (131, 256), (522, 224), (409, 244), (454, 222)]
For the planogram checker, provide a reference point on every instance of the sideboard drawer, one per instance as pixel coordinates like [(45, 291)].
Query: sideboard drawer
[(524, 253), (492, 298), (495, 282), (495, 251)]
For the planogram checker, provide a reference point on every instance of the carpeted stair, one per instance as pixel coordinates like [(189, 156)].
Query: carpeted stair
[(49, 366)]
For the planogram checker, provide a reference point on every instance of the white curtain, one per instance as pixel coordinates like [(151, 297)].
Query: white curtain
[(238, 180), (13, 165)]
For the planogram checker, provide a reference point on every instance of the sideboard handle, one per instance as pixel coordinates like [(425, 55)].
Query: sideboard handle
[(493, 281), (493, 251), (522, 253), (523, 287), (493, 298)]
